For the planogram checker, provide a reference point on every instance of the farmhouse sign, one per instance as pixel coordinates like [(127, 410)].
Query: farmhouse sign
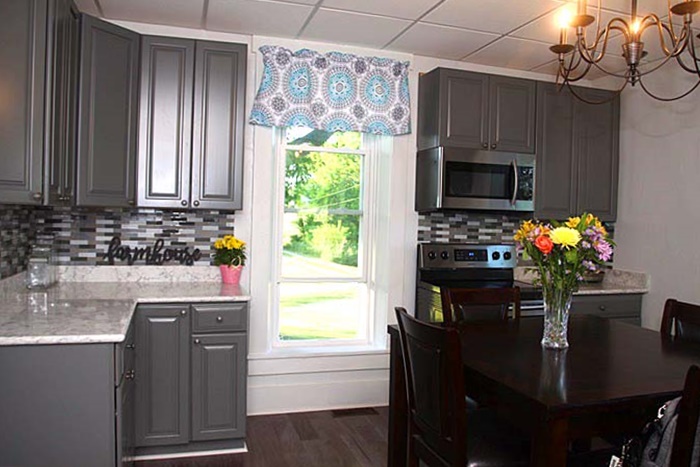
[(156, 254)]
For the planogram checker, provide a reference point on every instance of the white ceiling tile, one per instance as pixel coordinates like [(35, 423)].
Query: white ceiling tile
[(407, 9), (257, 17), (303, 2), (487, 15), (87, 6), (441, 41), (509, 52), (186, 13), (549, 68), (546, 29), (353, 28), (660, 7)]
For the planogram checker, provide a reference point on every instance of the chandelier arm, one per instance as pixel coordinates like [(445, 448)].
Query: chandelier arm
[(668, 99), (693, 54), (679, 42), (611, 73), (604, 101), (568, 79)]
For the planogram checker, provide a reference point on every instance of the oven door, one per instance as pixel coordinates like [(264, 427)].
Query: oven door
[(486, 180)]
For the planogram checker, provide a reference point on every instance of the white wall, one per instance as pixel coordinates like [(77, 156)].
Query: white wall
[(659, 193)]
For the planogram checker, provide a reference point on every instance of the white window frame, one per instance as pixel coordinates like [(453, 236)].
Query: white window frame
[(366, 247)]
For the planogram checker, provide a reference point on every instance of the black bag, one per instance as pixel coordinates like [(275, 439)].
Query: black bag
[(653, 447)]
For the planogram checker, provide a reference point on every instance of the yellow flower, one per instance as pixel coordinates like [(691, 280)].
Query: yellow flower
[(219, 244), (565, 236), (573, 222), (525, 228)]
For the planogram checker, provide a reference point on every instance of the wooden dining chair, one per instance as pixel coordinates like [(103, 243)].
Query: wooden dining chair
[(481, 304), (681, 320), (442, 432)]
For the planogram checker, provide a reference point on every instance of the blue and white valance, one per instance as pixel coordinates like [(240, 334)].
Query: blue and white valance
[(332, 92)]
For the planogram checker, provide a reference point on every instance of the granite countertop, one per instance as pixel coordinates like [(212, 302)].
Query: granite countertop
[(91, 312), (616, 282)]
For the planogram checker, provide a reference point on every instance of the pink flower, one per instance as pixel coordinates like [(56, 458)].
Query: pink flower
[(604, 250)]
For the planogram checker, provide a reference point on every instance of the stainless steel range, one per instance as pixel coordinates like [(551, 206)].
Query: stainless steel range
[(457, 265)]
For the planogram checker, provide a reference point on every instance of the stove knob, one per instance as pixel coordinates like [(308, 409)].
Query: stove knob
[(496, 256), (445, 255), (432, 255), (506, 255)]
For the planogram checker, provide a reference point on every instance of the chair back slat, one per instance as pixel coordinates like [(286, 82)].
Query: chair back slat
[(479, 304), (435, 387), (687, 423), (681, 320)]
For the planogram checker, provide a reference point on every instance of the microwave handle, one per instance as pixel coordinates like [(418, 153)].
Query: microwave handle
[(516, 182)]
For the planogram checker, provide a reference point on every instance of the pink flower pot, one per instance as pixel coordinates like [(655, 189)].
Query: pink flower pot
[(231, 274)]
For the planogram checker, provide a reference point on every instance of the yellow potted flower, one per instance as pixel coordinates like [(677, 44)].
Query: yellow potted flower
[(229, 255)]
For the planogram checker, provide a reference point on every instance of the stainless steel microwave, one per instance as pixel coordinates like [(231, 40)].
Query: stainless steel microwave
[(458, 178)]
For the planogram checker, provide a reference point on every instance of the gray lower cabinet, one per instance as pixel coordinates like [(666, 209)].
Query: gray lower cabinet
[(65, 405), (107, 130), (578, 153), (622, 307), (473, 110), (191, 124), (191, 367), (23, 77), (163, 374)]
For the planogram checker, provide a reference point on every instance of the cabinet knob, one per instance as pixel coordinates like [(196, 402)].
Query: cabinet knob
[(131, 202), (196, 203), (219, 319), (183, 312), (485, 145), (37, 196), (130, 346), (131, 374), (602, 307), (197, 341), (493, 146), (183, 202)]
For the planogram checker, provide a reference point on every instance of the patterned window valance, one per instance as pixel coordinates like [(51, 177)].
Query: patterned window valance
[(332, 92)]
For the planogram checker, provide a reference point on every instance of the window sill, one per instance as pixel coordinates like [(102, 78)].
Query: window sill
[(320, 351)]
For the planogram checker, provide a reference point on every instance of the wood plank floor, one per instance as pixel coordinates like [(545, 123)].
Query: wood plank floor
[(339, 438)]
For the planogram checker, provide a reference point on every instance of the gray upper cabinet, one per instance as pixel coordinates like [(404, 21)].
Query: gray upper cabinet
[(23, 77), (472, 110), (578, 153), (191, 124), (61, 102), (163, 375), (109, 65), (165, 121), (218, 386), (596, 145)]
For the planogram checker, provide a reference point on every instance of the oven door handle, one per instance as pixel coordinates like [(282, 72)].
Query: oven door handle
[(516, 182)]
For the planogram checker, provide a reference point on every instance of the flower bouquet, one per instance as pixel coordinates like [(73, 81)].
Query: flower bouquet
[(562, 254), (229, 255)]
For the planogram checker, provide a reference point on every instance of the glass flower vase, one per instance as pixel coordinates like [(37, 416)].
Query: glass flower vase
[(557, 303)]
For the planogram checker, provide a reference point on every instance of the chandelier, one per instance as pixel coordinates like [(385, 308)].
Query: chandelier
[(593, 41)]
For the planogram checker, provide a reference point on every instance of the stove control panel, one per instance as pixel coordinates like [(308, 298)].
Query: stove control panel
[(465, 255)]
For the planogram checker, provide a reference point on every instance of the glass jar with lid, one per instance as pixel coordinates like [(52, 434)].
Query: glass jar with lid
[(41, 265)]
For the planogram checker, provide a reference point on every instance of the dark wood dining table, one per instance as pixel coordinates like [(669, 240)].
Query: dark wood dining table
[(610, 381)]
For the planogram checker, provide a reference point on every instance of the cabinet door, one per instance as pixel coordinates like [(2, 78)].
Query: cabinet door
[(165, 122), (597, 151), (62, 96), (464, 101), (512, 112), (218, 386), (107, 114), (555, 195), (219, 106), (162, 375), (125, 400), (23, 78)]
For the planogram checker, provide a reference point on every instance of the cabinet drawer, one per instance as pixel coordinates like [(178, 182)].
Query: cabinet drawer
[(609, 306), (219, 317), (125, 356)]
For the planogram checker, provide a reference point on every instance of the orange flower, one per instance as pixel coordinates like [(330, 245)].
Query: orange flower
[(544, 244)]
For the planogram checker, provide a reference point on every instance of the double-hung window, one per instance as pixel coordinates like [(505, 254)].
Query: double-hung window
[(324, 228)]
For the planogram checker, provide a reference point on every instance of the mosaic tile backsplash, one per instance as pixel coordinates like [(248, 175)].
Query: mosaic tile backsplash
[(81, 235), (469, 227), (15, 233)]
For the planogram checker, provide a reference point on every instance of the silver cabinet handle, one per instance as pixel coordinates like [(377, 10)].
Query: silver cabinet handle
[(183, 312), (493, 146), (219, 319), (516, 182), (131, 374), (130, 346), (485, 145), (183, 202), (197, 341), (37, 196), (196, 203), (602, 307)]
